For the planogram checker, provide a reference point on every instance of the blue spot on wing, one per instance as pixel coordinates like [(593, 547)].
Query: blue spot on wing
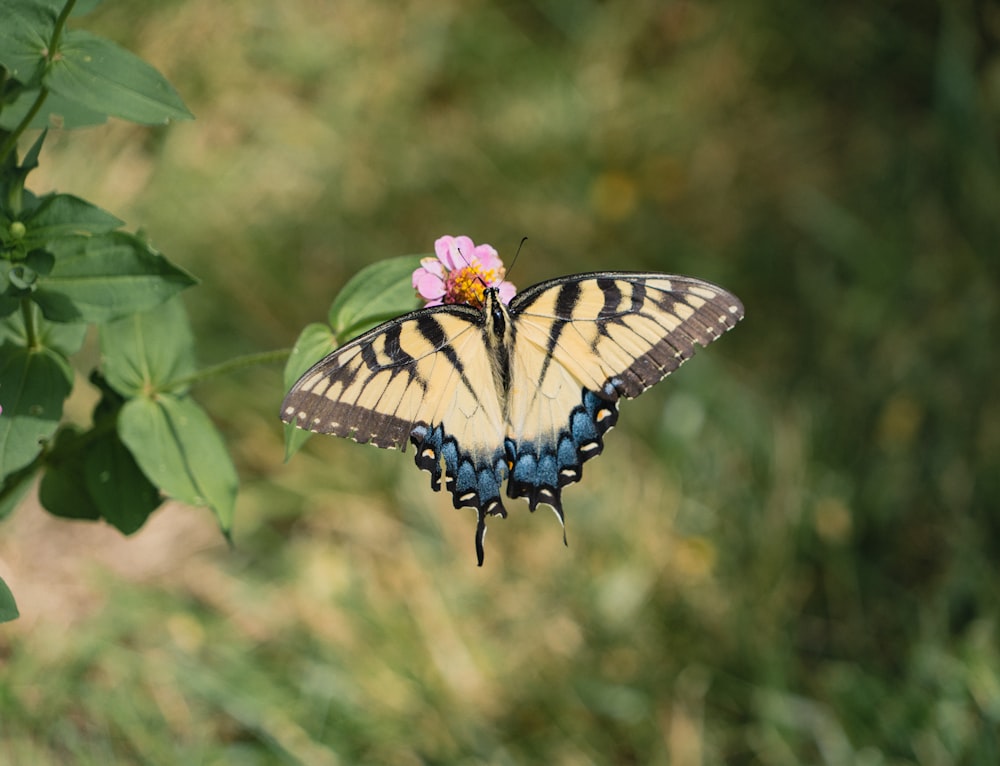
[(449, 453), (567, 459), (488, 482), (582, 427), (535, 470), (473, 479), (541, 469), (525, 467), (547, 475), (465, 480)]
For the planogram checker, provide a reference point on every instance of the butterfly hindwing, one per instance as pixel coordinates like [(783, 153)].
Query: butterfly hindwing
[(582, 342)]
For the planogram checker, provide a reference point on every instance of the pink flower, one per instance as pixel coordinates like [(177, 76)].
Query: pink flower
[(460, 273)]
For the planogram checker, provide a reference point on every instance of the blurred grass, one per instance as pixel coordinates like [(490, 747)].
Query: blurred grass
[(786, 555)]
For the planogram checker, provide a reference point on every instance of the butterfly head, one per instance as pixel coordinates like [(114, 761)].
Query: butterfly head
[(495, 311), (492, 302)]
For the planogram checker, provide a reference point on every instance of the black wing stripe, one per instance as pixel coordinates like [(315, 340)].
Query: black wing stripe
[(369, 357), (557, 327), (612, 298), (566, 301), (638, 296), (393, 349), (431, 329), (434, 334)]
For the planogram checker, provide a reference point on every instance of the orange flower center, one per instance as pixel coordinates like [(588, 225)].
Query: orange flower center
[(468, 284)]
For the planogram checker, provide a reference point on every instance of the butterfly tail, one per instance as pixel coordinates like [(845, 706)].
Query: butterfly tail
[(472, 479), (480, 537)]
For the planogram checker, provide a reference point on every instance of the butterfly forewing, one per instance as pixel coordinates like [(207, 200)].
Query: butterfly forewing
[(376, 387), (634, 328), (581, 343)]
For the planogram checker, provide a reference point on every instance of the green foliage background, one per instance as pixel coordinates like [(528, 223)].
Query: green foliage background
[(788, 552)]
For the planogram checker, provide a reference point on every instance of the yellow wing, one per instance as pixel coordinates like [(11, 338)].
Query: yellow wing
[(424, 378), (583, 341)]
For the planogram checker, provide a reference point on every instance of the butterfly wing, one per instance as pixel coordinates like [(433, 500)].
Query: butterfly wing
[(424, 378), (581, 343)]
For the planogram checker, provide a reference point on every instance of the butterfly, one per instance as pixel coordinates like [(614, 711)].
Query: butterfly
[(521, 393)]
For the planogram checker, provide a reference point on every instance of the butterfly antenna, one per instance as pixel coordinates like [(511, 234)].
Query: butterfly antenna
[(514, 259)]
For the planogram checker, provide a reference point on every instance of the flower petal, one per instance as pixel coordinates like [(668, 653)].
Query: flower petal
[(463, 252), (487, 257), (460, 272), (507, 291), (433, 265), (429, 286), (446, 251)]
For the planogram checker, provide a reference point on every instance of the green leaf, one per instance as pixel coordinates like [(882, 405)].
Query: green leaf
[(33, 386), (314, 342), (30, 161), (63, 338), (83, 7), (93, 475), (14, 487), (146, 352), (24, 38), (12, 178), (8, 304), (66, 339), (63, 215), (104, 277), (378, 292), (22, 277), (295, 438), (62, 491), (179, 449), (8, 607), (56, 112), (107, 78), (119, 489)]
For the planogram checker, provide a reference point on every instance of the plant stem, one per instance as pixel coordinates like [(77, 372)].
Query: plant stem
[(231, 365), (22, 126), (28, 315), (60, 23)]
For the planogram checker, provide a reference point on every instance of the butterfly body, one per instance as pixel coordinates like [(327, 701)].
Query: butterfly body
[(520, 393)]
